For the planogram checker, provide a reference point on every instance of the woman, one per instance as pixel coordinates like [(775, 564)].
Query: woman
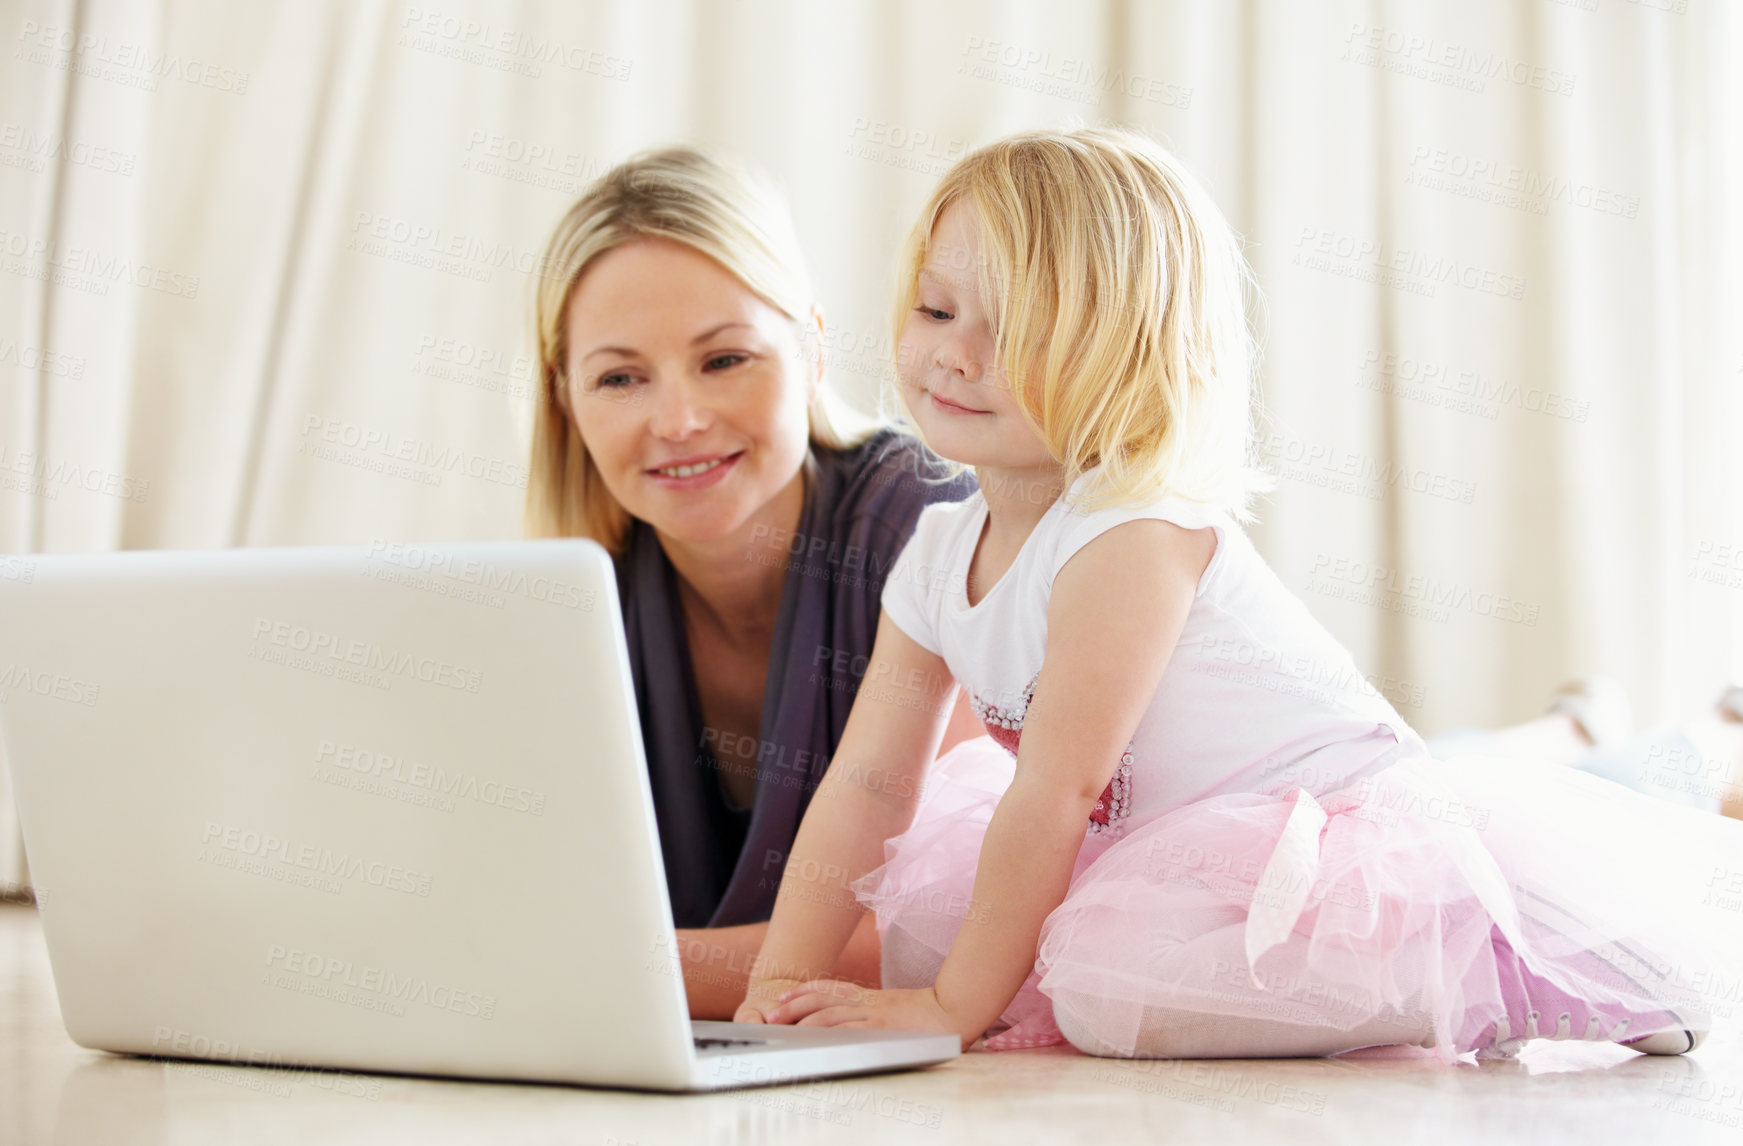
[(685, 425)]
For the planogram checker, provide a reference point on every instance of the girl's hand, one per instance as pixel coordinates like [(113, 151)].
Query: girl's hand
[(832, 1003), (761, 999)]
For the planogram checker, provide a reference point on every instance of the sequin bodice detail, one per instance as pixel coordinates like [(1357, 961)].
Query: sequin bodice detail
[(1005, 726)]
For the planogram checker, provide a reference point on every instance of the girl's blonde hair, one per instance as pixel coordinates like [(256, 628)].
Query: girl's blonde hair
[(1117, 293), (710, 206)]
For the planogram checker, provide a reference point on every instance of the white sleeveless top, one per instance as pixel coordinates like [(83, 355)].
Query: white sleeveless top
[(1257, 697)]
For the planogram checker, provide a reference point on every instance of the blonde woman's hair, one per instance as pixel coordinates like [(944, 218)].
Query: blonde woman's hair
[(1117, 294), (710, 206)]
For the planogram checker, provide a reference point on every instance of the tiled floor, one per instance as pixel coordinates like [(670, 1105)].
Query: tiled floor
[(52, 1091)]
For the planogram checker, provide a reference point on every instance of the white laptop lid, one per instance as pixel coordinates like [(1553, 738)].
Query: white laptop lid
[(379, 807)]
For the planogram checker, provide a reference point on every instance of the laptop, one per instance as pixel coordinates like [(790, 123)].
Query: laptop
[(378, 808)]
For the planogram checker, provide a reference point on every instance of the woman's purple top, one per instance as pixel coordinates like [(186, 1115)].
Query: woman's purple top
[(724, 865)]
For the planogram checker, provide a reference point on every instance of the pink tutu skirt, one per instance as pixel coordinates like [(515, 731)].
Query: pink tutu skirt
[(1300, 923)]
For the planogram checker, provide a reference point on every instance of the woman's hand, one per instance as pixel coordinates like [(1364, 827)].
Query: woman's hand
[(832, 1003), (762, 999)]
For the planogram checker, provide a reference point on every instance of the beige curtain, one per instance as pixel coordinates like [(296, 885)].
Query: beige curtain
[(1496, 245)]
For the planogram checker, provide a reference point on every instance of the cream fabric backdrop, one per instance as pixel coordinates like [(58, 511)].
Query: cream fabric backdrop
[(1496, 243)]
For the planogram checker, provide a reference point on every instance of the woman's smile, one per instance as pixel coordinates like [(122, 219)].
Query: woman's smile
[(695, 472)]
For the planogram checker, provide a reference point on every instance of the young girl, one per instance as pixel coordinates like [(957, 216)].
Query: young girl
[(1195, 829)]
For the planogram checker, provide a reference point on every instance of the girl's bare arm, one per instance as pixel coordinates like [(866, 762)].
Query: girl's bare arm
[(1117, 611), (867, 796)]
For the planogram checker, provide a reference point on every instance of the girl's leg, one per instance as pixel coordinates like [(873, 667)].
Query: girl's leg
[(904, 960), (1188, 1034), (1203, 1002), (1208, 975)]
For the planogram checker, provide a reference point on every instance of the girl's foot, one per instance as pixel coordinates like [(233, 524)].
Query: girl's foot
[(1537, 1009)]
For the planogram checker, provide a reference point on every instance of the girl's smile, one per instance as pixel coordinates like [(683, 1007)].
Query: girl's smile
[(952, 407)]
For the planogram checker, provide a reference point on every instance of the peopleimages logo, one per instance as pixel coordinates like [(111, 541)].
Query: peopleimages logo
[(302, 647), (417, 459), (438, 562), (120, 61), (1357, 580), (100, 265), (227, 845), (436, 781), (42, 682), (343, 981), (50, 477)]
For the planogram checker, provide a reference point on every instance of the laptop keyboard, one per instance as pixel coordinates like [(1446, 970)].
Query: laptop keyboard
[(711, 1044)]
